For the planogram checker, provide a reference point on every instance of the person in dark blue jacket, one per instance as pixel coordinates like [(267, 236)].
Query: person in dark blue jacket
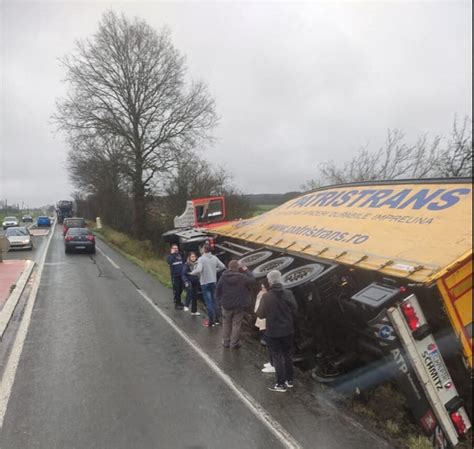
[(191, 283), (175, 261)]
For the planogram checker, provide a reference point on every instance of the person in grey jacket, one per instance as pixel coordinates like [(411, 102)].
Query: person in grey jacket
[(278, 306), (207, 267), (233, 293)]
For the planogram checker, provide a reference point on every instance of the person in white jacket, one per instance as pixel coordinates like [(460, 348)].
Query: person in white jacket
[(207, 267), (261, 324)]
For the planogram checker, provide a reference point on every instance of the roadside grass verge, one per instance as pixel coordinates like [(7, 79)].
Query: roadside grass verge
[(139, 252), (385, 408)]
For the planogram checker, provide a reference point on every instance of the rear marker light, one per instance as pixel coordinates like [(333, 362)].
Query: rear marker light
[(68, 238), (410, 316), (458, 422)]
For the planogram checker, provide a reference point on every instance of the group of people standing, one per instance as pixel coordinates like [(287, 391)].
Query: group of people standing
[(228, 299)]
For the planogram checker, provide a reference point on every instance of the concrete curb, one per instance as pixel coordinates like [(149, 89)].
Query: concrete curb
[(7, 312)]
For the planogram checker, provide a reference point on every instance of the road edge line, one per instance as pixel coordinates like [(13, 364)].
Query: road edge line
[(8, 378), (108, 258), (258, 410)]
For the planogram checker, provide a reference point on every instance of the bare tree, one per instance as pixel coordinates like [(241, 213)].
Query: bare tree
[(128, 82), (456, 159), (395, 160)]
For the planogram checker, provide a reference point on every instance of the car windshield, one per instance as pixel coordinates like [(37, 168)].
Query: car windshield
[(43, 218), (78, 231), (16, 232), (10, 218)]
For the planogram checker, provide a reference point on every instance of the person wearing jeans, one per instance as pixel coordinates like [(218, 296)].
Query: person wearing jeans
[(278, 306), (208, 294), (206, 268)]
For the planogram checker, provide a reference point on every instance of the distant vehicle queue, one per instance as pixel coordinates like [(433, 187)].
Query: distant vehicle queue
[(77, 236)]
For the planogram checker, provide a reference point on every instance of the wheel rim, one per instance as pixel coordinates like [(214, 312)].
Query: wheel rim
[(279, 263), (255, 258), (301, 275)]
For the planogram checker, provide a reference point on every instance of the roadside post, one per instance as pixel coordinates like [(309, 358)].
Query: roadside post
[(4, 246), (99, 223)]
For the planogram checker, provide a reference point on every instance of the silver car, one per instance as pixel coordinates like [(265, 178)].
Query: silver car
[(10, 221), (19, 238)]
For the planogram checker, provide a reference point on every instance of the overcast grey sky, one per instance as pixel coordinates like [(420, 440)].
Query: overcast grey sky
[(295, 83)]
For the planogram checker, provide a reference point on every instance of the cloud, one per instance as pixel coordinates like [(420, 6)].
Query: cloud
[(295, 83)]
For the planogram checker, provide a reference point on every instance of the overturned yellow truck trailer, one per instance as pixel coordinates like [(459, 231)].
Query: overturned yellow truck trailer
[(418, 231), (382, 273), (378, 270)]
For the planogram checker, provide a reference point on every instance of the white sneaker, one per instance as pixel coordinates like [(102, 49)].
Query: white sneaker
[(195, 313), (266, 365), (268, 369), (185, 308)]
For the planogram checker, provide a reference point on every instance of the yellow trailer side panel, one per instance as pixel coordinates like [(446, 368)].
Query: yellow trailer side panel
[(456, 289), (410, 230)]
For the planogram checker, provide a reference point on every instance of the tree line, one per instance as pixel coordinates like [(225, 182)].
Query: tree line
[(438, 157)]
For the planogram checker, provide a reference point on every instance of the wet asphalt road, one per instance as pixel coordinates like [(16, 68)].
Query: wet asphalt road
[(102, 369)]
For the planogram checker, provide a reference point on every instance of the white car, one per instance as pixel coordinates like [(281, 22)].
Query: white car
[(10, 221), (19, 238)]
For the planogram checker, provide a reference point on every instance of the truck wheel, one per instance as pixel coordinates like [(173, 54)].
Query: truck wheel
[(279, 263), (301, 275), (255, 258)]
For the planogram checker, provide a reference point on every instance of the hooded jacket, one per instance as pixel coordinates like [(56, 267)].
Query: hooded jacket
[(207, 267), (278, 306), (233, 289)]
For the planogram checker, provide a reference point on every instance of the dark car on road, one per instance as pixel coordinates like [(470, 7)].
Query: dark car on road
[(27, 219), (79, 239), (43, 220), (73, 223)]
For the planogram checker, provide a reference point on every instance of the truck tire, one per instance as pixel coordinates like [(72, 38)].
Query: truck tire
[(302, 275), (280, 263), (255, 258)]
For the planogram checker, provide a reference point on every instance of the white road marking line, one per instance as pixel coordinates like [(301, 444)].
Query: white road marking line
[(9, 374), (108, 258), (274, 426)]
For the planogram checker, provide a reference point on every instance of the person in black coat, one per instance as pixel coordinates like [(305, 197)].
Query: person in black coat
[(278, 306), (175, 261), (233, 293)]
